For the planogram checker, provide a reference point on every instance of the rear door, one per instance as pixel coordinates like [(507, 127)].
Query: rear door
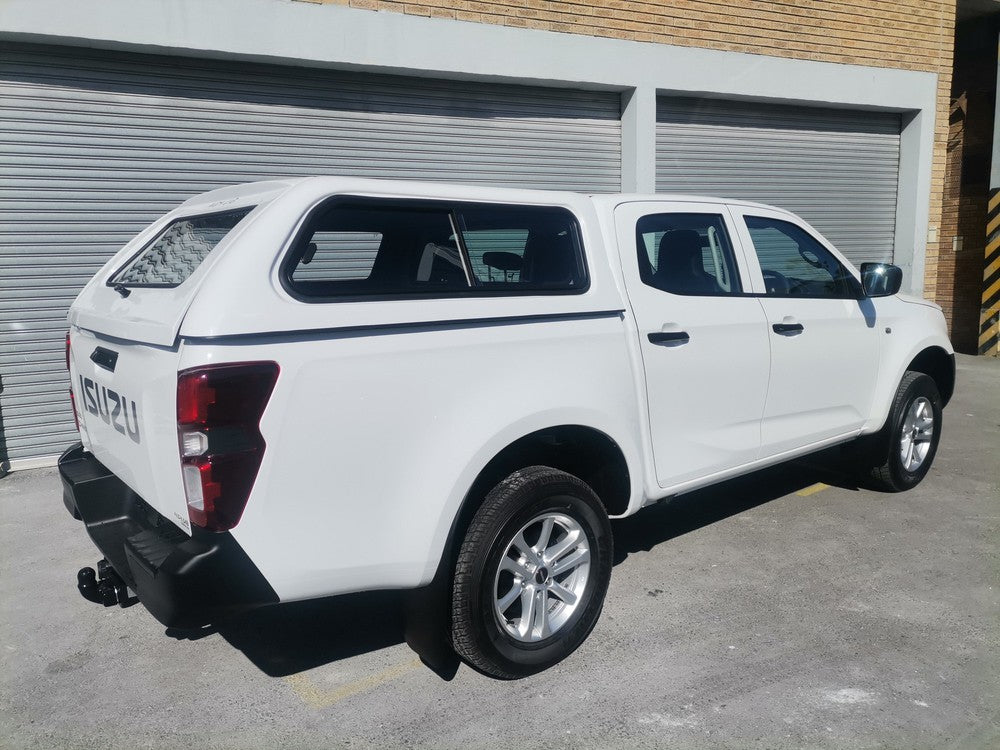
[(824, 343), (124, 352), (704, 343)]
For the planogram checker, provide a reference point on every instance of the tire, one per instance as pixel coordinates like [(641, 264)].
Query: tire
[(498, 626), (900, 455)]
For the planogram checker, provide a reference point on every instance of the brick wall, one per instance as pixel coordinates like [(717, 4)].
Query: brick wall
[(907, 34), (966, 189)]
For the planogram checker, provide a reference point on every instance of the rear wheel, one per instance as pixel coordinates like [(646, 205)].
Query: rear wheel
[(900, 455), (532, 573)]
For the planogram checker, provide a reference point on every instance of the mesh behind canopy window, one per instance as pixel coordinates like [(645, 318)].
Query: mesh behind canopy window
[(178, 250)]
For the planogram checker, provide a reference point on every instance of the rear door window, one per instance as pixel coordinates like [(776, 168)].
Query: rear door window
[(374, 248), (174, 254), (687, 254)]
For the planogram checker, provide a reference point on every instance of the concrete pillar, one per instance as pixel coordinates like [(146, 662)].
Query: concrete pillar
[(639, 140)]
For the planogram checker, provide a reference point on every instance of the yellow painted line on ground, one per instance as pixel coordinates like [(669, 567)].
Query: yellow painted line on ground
[(812, 489), (315, 696)]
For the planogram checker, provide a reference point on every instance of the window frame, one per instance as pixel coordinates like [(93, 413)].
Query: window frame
[(731, 239), (163, 230), (453, 209)]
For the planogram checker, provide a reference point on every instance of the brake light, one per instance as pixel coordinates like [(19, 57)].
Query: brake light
[(219, 408), (72, 398), (72, 403)]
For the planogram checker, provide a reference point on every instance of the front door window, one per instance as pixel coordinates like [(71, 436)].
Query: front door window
[(795, 264)]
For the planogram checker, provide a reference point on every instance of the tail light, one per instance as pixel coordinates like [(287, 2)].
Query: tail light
[(219, 408), (72, 398)]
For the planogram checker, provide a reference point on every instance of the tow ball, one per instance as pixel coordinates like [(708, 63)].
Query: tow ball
[(104, 586)]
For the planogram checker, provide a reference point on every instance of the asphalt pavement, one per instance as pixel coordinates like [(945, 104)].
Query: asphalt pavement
[(789, 609)]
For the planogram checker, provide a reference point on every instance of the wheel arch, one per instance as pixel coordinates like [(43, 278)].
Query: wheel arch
[(940, 366), (930, 357), (583, 451)]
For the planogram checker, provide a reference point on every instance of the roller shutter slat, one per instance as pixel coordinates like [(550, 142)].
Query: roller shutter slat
[(94, 145), (838, 169)]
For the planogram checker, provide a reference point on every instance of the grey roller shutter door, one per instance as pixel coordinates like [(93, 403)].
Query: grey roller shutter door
[(95, 145), (838, 169)]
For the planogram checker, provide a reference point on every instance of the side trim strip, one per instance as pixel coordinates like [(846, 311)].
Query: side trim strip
[(413, 327)]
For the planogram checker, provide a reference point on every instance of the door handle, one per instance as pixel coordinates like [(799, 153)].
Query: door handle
[(669, 337), (104, 358), (788, 329)]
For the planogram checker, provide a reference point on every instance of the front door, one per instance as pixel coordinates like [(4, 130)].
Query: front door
[(704, 344), (824, 346)]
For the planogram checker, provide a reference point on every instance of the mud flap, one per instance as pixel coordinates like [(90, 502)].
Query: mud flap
[(427, 613)]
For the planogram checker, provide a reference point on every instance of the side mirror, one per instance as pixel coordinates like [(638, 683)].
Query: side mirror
[(881, 279)]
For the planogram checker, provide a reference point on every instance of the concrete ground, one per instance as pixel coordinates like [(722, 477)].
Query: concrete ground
[(785, 610)]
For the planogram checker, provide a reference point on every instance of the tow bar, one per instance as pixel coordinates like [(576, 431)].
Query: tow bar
[(104, 587)]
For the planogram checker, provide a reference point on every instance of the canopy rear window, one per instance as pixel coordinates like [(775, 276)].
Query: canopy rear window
[(174, 254)]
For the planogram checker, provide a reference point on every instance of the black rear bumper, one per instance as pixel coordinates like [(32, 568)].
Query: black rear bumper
[(184, 581)]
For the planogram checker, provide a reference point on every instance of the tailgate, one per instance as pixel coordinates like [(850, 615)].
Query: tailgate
[(126, 396)]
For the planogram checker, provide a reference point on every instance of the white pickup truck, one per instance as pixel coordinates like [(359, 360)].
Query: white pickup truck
[(302, 388)]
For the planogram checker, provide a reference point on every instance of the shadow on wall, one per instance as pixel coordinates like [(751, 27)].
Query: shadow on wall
[(4, 456), (291, 638), (299, 87)]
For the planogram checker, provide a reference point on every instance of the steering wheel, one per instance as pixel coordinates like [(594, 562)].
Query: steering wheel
[(775, 283), (810, 257)]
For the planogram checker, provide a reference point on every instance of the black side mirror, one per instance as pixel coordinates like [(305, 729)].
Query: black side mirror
[(881, 279)]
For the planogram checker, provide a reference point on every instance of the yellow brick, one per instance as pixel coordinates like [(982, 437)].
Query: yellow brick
[(534, 23)]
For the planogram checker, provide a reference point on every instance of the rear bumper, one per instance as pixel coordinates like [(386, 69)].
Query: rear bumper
[(183, 581)]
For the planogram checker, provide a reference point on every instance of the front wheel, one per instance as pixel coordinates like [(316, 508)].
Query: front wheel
[(531, 574), (900, 455)]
